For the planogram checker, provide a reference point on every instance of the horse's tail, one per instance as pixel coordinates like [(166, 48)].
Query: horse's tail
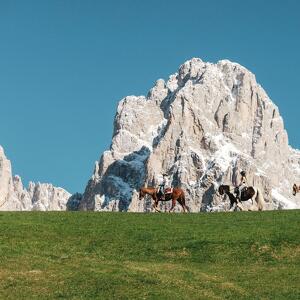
[(259, 200)]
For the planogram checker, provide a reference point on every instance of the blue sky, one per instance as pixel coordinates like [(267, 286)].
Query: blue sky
[(64, 65)]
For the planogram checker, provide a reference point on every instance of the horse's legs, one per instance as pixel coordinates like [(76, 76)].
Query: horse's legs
[(252, 206), (173, 204), (155, 204), (233, 206), (186, 209), (180, 201), (239, 205)]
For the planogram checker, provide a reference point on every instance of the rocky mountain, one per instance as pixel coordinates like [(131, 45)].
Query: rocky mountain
[(38, 196), (202, 126)]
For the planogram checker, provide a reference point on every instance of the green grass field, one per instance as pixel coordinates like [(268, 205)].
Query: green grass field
[(79, 255)]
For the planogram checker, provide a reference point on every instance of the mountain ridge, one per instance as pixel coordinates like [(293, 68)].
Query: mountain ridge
[(37, 196), (231, 117), (201, 126)]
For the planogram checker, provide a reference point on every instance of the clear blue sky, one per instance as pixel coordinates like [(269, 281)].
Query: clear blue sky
[(64, 65)]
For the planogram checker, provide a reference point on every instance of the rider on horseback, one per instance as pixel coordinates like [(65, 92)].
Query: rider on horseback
[(163, 185), (241, 186)]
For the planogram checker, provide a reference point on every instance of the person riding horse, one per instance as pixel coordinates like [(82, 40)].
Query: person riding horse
[(241, 186), (162, 186)]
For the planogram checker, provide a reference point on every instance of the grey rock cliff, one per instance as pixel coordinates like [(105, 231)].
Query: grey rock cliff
[(38, 196), (202, 126)]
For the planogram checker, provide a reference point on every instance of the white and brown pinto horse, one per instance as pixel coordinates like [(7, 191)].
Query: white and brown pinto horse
[(247, 194), (174, 194), (296, 189)]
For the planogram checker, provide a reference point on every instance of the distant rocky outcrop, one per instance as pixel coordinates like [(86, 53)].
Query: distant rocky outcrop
[(202, 126), (38, 196)]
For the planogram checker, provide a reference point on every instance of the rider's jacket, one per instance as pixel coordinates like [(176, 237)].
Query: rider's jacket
[(164, 182)]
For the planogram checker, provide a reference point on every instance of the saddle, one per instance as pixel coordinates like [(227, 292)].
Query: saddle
[(236, 190), (168, 191)]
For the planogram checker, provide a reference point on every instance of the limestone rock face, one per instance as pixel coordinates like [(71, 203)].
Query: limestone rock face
[(45, 196), (40, 196), (201, 127)]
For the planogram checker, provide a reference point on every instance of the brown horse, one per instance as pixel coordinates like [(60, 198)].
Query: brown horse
[(177, 194), (296, 189)]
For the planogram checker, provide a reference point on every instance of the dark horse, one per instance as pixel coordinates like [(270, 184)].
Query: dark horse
[(296, 189), (177, 194), (246, 194)]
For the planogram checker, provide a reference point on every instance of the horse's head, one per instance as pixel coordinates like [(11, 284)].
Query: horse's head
[(223, 189), (141, 194), (147, 191)]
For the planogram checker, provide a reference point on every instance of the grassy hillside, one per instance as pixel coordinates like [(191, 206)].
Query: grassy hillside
[(76, 255)]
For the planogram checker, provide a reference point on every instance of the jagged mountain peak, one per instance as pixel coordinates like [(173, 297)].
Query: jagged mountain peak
[(38, 196), (201, 126)]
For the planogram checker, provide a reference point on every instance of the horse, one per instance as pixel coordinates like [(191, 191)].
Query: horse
[(296, 189), (246, 194), (176, 194)]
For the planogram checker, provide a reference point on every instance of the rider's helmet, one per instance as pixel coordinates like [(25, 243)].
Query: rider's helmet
[(243, 173), (164, 175)]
